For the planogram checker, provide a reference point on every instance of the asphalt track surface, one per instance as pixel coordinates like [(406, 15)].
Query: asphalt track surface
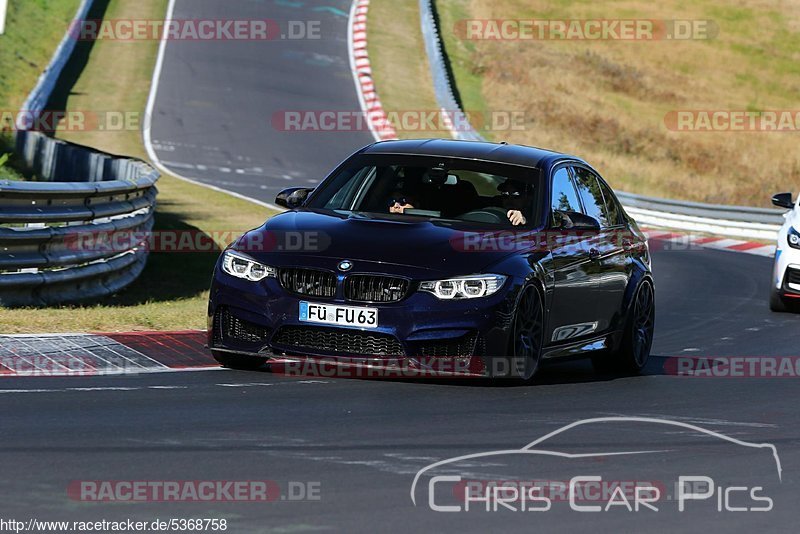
[(361, 442), (364, 440), (217, 113)]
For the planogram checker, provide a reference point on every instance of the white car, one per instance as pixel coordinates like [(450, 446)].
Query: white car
[(784, 293)]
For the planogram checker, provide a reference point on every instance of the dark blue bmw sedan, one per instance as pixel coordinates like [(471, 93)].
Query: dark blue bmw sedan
[(443, 256)]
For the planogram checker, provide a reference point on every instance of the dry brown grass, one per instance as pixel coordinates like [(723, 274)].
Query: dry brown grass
[(606, 101)]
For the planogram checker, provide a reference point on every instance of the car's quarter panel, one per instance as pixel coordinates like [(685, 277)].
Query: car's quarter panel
[(613, 275)]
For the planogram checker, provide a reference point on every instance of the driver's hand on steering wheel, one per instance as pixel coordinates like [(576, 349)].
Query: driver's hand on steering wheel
[(516, 217)]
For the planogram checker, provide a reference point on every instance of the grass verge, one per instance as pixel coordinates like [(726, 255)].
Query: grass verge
[(33, 30), (172, 292)]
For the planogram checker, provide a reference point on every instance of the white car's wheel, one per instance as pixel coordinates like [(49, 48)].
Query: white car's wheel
[(776, 303)]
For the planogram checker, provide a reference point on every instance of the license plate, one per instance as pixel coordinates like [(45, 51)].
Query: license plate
[(339, 315)]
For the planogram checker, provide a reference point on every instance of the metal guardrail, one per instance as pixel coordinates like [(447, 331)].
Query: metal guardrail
[(738, 221), (442, 83), (731, 221), (47, 252), (697, 209)]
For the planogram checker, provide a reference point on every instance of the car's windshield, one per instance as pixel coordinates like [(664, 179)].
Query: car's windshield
[(432, 188)]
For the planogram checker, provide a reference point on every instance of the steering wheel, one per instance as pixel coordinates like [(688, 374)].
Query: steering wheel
[(491, 214)]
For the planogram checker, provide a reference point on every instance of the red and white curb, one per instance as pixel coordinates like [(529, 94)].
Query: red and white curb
[(103, 354), (378, 122), (681, 241)]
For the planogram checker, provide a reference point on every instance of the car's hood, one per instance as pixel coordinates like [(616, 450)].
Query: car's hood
[(395, 243)]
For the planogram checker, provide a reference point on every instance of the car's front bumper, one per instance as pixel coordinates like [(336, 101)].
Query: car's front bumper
[(420, 332), (789, 283)]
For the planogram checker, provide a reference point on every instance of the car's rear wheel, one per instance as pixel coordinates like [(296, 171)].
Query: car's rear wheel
[(527, 335), (637, 340), (238, 361)]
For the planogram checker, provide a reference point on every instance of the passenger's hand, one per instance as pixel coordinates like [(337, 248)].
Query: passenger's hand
[(516, 217), (400, 208)]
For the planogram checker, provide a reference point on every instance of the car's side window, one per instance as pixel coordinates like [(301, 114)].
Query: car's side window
[(591, 195), (564, 197), (612, 205), (348, 186)]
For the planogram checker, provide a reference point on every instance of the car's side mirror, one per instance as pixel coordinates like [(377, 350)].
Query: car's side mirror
[(293, 197), (783, 200), (573, 220)]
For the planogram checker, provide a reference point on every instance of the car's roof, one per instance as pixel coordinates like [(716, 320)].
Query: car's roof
[(479, 150)]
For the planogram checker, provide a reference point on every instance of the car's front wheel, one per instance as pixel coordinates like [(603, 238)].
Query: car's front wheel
[(637, 340), (238, 361), (776, 302), (527, 335)]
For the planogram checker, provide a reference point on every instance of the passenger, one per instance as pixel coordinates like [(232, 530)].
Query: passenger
[(512, 199), (400, 202)]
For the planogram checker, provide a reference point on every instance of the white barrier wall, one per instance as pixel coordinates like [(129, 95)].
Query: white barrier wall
[(3, 9)]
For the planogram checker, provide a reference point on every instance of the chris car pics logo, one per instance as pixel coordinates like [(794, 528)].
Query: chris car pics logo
[(589, 492)]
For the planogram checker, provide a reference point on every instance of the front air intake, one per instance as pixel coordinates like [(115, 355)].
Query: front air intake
[(375, 288), (308, 282)]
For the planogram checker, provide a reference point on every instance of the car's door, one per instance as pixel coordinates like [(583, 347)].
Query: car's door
[(609, 251), (573, 312)]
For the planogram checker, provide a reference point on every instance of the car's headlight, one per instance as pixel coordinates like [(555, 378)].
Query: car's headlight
[(238, 265), (465, 287), (793, 236)]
